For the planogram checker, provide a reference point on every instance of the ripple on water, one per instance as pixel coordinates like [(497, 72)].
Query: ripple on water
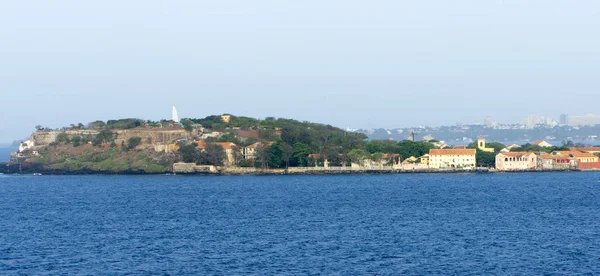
[(367, 224)]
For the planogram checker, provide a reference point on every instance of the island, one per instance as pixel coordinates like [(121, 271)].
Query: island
[(228, 144)]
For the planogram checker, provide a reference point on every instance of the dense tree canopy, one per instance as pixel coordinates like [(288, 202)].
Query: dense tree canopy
[(212, 155), (485, 159), (536, 148), (124, 123), (134, 142), (318, 138)]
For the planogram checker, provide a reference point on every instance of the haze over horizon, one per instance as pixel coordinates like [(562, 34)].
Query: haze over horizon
[(352, 64)]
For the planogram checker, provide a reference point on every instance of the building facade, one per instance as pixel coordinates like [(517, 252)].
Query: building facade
[(249, 152), (564, 119), (515, 161), (581, 160), (556, 162), (451, 158)]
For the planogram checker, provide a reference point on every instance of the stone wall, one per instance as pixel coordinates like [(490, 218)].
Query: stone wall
[(44, 138), (181, 167), (151, 136)]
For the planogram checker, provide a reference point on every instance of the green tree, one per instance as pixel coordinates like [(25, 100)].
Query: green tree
[(385, 146), (409, 148), (104, 136), (485, 159), (188, 153), (275, 156), (124, 123), (286, 153), (133, 142), (377, 157), (357, 155), (263, 153), (62, 138), (97, 125), (187, 124), (229, 137), (215, 154), (333, 157), (496, 146), (76, 141), (300, 155), (266, 134)]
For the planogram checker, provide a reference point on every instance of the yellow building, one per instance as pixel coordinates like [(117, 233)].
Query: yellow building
[(425, 159), (451, 158), (481, 145), (226, 118), (586, 157), (410, 160)]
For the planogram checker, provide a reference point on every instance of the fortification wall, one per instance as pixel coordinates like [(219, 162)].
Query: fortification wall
[(44, 138), (151, 136)]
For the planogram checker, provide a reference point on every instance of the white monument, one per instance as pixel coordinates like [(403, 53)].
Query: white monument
[(175, 117)]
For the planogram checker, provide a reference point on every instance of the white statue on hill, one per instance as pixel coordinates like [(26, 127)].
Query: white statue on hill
[(175, 116)]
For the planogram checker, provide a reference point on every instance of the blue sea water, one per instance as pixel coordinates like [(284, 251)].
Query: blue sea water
[(482, 224), (5, 153)]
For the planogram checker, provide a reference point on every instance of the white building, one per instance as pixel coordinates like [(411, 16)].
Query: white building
[(542, 144)]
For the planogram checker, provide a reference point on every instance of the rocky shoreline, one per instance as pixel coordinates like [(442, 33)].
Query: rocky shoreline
[(291, 171)]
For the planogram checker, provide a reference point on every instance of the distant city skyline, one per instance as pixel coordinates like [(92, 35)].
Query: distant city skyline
[(564, 119), (358, 64), (489, 121)]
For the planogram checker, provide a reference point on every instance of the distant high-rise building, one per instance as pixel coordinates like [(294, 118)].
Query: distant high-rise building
[(564, 119), (585, 120), (175, 117), (488, 121), (533, 120)]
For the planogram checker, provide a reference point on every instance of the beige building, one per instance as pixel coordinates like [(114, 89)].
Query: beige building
[(451, 158), (514, 161), (578, 156), (229, 149), (481, 145), (249, 152)]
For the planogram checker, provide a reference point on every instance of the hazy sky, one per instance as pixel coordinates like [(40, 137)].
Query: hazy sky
[(348, 63)]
